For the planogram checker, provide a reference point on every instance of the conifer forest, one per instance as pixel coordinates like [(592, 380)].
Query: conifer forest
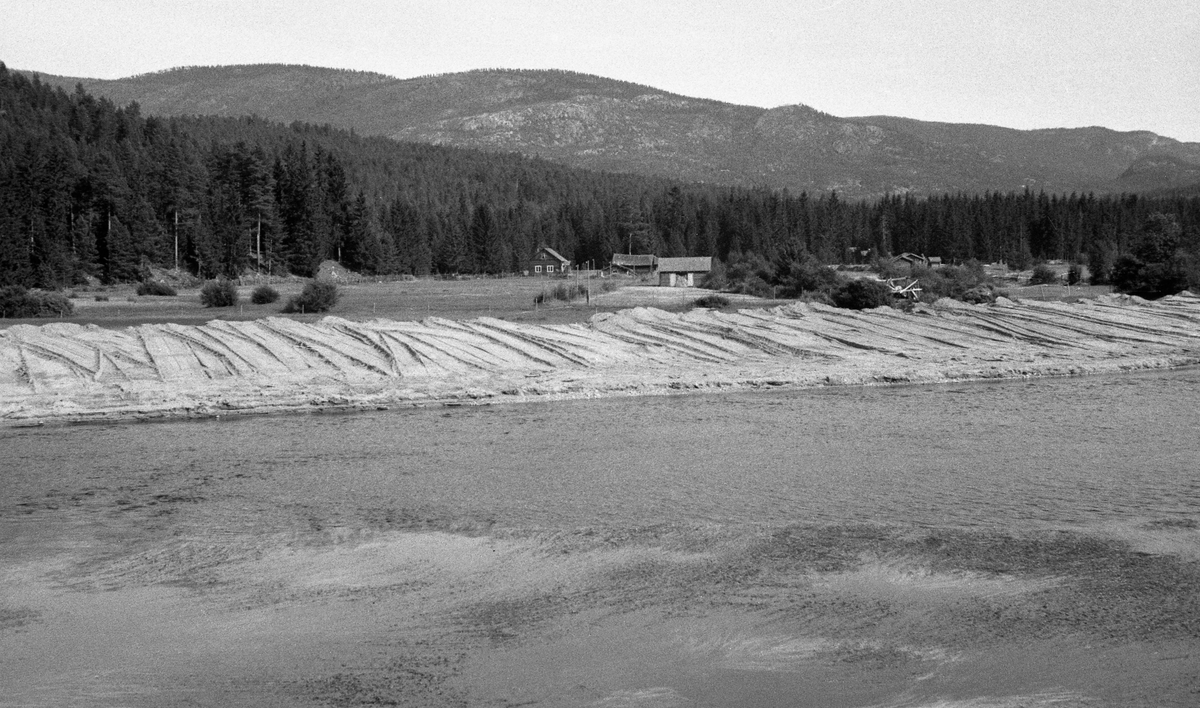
[(89, 189)]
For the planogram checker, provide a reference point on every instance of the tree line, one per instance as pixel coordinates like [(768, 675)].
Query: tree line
[(89, 189)]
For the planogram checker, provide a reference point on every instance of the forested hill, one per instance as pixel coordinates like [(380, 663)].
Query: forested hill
[(92, 189), (594, 122)]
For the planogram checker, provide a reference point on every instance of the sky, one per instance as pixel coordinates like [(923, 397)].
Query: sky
[(1126, 65)]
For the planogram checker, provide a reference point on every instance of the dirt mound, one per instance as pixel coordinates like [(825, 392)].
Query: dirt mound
[(173, 277), (336, 272), (66, 371)]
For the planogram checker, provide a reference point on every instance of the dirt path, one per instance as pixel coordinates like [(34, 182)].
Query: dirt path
[(65, 372)]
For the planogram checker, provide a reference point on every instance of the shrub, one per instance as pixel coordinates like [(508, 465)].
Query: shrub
[(219, 293), (808, 275), (888, 268), (52, 304), (950, 281), (154, 287), (317, 296), (609, 285), (1074, 274), (748, 274), (712, 301), (980, 295), (264, 295), (561, 291), (1043, 275), (862, 294), (1150, 280), (715, 279), (16, 301)]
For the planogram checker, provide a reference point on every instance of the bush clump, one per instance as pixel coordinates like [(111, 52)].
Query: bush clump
[(16, 301), (154, 287), (1153, 280), (980, 295), (317, 296), (1043, 275), (219, 293), (712, 301), (561, 291), (808, 275), (950, 281), (862, 294), (264, 295), (748, 274)]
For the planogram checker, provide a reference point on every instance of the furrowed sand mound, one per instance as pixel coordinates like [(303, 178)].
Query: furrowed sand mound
[(72, 372)]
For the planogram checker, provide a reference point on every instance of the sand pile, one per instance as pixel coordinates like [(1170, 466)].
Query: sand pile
[(66, 371)]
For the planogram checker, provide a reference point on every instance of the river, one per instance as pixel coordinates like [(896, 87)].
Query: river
[(1109, 457)]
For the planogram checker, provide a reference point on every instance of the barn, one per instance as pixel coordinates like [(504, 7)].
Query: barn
[(634, 263), (682, 272)]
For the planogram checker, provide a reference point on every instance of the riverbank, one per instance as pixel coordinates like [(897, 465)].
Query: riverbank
[(64, 372)]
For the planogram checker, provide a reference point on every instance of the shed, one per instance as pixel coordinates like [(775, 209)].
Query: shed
[(547, 261), (681, 272), (911, 259), (634, 263)]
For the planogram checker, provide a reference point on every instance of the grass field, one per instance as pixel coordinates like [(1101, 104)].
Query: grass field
[(503, 298)]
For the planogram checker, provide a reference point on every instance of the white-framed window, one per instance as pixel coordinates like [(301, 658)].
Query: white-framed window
[(549, 269), (537, 269)]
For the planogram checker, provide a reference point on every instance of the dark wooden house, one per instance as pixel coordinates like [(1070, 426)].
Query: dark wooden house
[(547, 261)]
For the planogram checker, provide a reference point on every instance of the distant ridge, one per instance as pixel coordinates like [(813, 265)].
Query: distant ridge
[(595, 122)]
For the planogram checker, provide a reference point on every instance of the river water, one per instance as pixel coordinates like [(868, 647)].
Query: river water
[(970, 609), (1060, 453)]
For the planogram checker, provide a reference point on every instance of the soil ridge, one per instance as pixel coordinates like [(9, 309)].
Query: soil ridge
[(64, 372)]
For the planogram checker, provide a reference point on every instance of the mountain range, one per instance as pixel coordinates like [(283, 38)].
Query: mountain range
[(599, 123)]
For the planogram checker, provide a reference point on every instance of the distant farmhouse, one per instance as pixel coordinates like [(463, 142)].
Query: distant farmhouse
[(682, 272), (635, 263), (916, 259), (547, 261)]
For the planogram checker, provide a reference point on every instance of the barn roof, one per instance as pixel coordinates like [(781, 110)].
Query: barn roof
[(694, 264), (633, 260)]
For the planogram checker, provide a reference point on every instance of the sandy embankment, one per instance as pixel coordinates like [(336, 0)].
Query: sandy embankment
[(64, 372)]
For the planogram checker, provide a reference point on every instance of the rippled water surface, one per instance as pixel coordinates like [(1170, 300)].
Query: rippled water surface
[(1082, 452), (845, 547)]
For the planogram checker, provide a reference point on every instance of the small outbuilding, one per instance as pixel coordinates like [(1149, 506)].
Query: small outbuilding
[(547, 261), (917, 259), (634, 263), (682, 272)]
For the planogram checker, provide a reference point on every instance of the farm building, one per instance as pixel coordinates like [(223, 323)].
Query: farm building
[(916, 259), (547, 261), (682, 272), (634, 263)]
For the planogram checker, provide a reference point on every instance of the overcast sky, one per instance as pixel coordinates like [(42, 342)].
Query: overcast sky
[(1128, 65)]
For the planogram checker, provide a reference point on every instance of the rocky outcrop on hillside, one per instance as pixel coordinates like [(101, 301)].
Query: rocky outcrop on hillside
[(593, 122), (72, 372)]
